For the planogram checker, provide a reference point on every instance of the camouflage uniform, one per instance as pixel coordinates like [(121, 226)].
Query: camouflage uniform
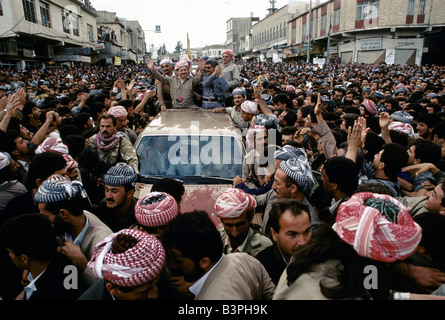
[(254, 243), (124, 151)]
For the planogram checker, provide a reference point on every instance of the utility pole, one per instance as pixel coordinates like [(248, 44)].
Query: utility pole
[(328, 53), (308, 52)]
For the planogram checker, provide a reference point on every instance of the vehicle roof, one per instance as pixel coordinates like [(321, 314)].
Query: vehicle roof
[(191, 122)]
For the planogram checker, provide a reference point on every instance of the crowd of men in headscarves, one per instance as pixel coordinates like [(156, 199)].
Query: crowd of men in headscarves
[(359, 147)]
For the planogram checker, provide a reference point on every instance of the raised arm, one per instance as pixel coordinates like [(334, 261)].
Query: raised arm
[(149, 94), (40, 135), (155, 73), (257, 95), (12, 105), (321, 128), (354, 139), (384, 121)]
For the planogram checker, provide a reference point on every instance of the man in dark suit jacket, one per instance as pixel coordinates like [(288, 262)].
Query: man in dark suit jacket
[(32, 245), (290, 227)]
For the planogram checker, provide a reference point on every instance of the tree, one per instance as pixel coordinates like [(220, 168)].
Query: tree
[(178, 47)]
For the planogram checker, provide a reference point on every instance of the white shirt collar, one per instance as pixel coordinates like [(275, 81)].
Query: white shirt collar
[(31, 287), (334, 205), (197, 286)]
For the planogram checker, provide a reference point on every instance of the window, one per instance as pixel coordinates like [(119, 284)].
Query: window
[(323, 22), (316, 26), (66, 22), (410, 8), (422, 4), (75, 23), (1, 9), (367, 10), (337, 17), (90, 33), (29, 10), (44, 14)]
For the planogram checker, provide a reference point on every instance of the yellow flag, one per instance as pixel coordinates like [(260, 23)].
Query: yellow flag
[(188, 47)]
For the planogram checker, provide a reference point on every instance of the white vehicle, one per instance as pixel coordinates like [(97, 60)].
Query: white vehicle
[(202, 149)]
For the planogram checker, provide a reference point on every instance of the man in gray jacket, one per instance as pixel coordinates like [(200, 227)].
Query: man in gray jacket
[(65, 203)]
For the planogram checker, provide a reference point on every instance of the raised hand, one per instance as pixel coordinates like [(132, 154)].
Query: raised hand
[(384, 120), (150, 64), (317, 109)]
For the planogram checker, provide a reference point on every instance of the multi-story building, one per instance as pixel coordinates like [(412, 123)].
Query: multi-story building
[(237, 31), (270, 34), (120, 41), (136, 40), (42, 33), (50, 33), (214, 51), (370, 31)]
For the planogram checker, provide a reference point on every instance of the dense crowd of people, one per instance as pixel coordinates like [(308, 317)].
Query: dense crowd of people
[(351, 206)]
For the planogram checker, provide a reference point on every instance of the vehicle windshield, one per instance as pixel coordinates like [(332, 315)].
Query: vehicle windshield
[(181, 156)]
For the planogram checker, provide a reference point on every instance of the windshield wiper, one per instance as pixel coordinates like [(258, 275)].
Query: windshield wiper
[(204, 178)]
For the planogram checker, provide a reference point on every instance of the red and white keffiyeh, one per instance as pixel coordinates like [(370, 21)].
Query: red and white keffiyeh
[(155, 209), (70, 162), (118, 112), (183, 62), (402, 127), (374, 236), (128, 258), (233, 202), (4, 160), (250, 136), (52, 144), (249, 107)]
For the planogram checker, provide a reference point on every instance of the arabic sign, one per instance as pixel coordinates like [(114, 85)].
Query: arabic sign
[(371, 44)]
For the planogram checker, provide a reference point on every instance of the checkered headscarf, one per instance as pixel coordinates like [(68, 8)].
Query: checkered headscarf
[(121, 174), (70, 162), (128, 258), (233, 202), (249, 107), (250, 136), (402, 127), (155, 209), (299, 169), (165, 61), (58, 188), (52, 144), (118, 111), (288, 152), (378, 226)]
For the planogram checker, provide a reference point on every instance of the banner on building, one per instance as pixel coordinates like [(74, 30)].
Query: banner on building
[(29, 53), (99, 46), (371, 44), (319, 61)]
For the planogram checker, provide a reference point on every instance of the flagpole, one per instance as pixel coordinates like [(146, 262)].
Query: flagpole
[(188, 47)]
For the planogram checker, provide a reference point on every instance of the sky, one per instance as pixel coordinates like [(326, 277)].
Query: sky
[(203, 20)]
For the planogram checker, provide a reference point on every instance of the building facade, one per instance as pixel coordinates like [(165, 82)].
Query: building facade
[(213, 51), (372, 31), (41, 33), (51, 33), (238, 31), (270, 35)]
